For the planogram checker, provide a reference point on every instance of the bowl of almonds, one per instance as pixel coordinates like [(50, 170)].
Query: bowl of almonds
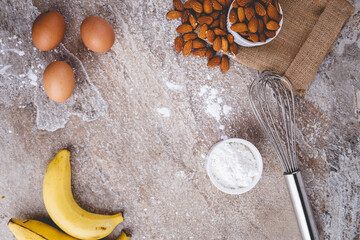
[(254, 22)]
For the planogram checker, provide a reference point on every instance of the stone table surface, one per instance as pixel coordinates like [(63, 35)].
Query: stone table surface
[(142, 119)]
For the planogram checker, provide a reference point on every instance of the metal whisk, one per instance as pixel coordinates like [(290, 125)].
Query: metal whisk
[(272, 101)]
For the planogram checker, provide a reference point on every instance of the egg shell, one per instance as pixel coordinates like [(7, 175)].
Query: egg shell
[(97, 34), (48, 30), (59, 81)]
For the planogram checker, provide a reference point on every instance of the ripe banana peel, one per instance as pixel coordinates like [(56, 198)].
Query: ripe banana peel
[(25, 229), (63, 209)]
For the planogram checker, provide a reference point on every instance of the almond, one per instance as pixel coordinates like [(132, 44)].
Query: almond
[(208, 7), (187, 5), (233, 16), (260, 9), (262, 37), (219, 32), (215, 15), (224, 65), (197, 6), (179, 42), (192, 21), (213, 62), (249, 12), (215, 24), (242, 3), (272, 12), (253, 37), (265, 19), (216, 5), (269, 34), (178, 5), (272, 25), (202, 32), (224, 44), (230, 38), (228, 3), (217, 44), (222, 2), (260, 25), (244, 34), (184, 28), (276, 3), (210, 35), (241, 14), (235, 5), (189, 36), (200, 52), (198, 43), (234, 48), (205, 20), (187, 48), (253, 25), (173, 14), (185, 16), (209, 53), (266, 2), (279, 18), (239, 27), (222, 21)]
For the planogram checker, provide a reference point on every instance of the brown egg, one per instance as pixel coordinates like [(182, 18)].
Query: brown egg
[(97, 34), (48, 30), (59, 81)]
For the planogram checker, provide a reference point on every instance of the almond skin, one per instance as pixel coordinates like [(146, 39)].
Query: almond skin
[(215, 23), (216, 5), (260, 9), (224, 65), (276, 3), (260, 25), (253, 37), (210, 53), (202, 32), (205, 20), (187, 48), (215, 15), (222, 21), (208, 7), (187, 5), (249, 12), (262, 37), (242, 3), (219, 32), (196, 6), (213, 62), (184, 28), (272, 25), (198, 43), (173, 14), (265, 18), (222, 2), (269, 34), (253, 25), (241, 14), (210, 35), (178, 5), (230, 38), (244, 34), (228, 3), (189, 36), (233, 16), (192, 21), (239, 27), (272, 12), (179, 42), (200, 52), (235, 5), (224, 44), (185, 16), (217, 44), (234, 48)]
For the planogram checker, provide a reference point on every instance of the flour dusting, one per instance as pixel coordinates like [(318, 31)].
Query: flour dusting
[(165, 112)]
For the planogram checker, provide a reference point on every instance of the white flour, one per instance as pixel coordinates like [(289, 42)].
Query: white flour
[(233, 165)]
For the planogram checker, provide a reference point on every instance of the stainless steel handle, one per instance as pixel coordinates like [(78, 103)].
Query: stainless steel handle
[(301, 206)]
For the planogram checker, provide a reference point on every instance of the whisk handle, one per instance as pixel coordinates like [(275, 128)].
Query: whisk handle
[(301, 206)]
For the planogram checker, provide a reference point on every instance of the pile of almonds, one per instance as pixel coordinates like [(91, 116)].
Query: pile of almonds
[(255, 20), (204, 20)]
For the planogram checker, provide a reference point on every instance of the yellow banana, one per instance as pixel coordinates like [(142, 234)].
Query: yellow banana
[(124, 236), (35, 230), (63, 209)]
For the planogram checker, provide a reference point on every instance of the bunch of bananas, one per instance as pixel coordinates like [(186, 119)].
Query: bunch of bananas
[(64, 211)]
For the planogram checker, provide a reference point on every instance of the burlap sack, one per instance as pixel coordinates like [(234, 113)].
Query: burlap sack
[(310, 28)]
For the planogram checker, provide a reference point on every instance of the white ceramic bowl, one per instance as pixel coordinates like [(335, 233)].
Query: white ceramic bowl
[(246, 43), (258, 159)]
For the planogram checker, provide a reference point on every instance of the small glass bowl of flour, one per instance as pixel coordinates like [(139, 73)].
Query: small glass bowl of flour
[(234, 165)]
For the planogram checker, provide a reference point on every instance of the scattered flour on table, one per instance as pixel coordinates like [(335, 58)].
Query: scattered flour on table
[(174, 87), (233, 165), (165, 112)]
